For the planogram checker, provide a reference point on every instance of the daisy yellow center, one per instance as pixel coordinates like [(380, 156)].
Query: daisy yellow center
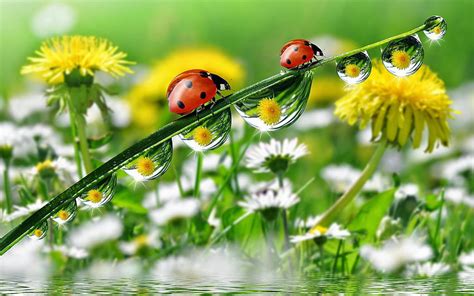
[(45, 165), (401, 110), (437, 30), (269, 111), (202, 135), (38, 232), (141, 240), (352, 70), (60, 56), (63, 215), (319, 229), (401, 59), (94, 195), (145, 166)]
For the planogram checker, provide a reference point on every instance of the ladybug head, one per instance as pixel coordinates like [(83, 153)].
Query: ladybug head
[(220, 83), (317, 51)]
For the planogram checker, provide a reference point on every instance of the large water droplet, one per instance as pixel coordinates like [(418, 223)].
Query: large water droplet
[(152, 163), (403, 57), (355, 68), (66, 214), (436, 27), (210, 134), (277, 107), (101, 194), (39, 231)]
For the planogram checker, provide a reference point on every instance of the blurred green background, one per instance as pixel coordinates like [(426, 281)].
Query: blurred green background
[(252, 31)]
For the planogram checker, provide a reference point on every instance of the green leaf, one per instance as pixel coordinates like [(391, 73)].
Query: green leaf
[(124, 199), (371, 213), (95, 143)]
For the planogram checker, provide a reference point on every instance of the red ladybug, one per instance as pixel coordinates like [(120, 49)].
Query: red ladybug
[(192, 89), (298, 52)]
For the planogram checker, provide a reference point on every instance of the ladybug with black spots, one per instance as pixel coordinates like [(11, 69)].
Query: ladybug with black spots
[(298, 52), (192, 89)]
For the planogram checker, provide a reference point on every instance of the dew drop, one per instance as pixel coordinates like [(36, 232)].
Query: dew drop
[(403, 57), (101, 194), (210, 134), (39, 231), (277, 107), (436, 27), (66, 214), (152, 163), (355, 68)]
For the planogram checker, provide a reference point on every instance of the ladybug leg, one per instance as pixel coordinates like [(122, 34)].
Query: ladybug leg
[(213, 103), (198, 110)]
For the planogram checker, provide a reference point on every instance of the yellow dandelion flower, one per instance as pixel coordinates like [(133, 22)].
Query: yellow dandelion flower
[(202, 135), (269, 111), (145, 166), (38, 232), (400, 108), (63, 215), (148, 98), (318, 229), (401, 59), (94, 196), (58, 57), (352, 70)]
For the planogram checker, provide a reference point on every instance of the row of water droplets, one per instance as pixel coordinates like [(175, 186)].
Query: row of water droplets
[(269, 110)]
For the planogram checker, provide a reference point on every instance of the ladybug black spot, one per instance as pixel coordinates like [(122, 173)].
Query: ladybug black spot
[(188, 83), (180, 104), (296, 48), (202, 95), (288, 61), (306, 43), (304, 57)]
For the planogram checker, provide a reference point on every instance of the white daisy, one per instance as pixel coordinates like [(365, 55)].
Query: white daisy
[(388, 227), (24, 211), (407, 190), (427, 269), (69, 251), (467, 259), (459, 195), (453, 170), (149, 240), (25, 260), (270, 199), (396, 253), (175, 209), (65, 169), (308, 222), (341, 177), (125, 269), (96, 232), (333, 232), (23, 106), (275, 156)]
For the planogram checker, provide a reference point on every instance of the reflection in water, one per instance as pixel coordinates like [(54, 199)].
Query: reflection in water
[(322, 284)]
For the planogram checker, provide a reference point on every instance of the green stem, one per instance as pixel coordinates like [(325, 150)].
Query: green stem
[(6, 187), (197, 181), (77, 157), (83, 144), (352, 192), (164, 134)]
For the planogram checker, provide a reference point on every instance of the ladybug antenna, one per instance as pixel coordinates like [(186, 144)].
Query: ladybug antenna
[(317, 51), (220, 83)]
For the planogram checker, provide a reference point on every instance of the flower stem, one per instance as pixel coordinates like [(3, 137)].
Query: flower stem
[(6, 187), (197, 181), (81, 133), (77, 157), (352, 192)]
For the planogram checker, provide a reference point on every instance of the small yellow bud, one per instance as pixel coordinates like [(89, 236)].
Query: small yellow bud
[(321, 229), (202, 135), (94, 196), (145, 166), (401, 59), (269, 111)]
